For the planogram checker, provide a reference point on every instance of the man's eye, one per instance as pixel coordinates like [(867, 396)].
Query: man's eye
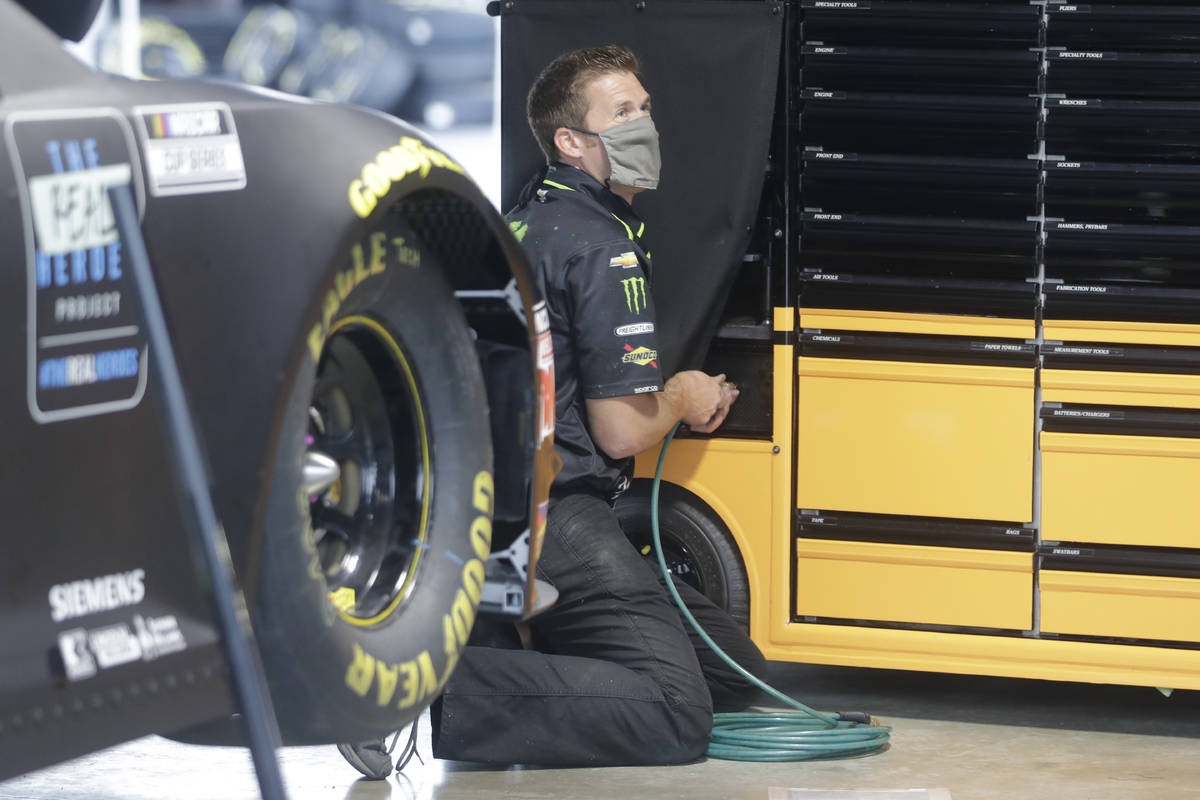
[(622, 113)]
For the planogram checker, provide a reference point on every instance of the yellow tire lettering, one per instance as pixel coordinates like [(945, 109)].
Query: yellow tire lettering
[(452, 647), (388, 676), (408, 671), (343, 282), (484, 492), (361, 672), (378, 251), (391, 165), (376, 179), (462, 613), (316, 338), (356, 258), (362, 202), (420, 681), (332, 304), (481, 536)]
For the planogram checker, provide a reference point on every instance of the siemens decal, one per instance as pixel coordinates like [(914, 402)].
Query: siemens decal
[(80, 598)]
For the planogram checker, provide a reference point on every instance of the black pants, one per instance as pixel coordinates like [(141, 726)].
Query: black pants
[(618, 678)]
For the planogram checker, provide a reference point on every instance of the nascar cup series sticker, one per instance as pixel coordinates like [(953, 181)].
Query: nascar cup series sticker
[(85, 353), (191, 148)]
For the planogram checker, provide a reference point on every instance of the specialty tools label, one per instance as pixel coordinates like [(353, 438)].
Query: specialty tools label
[(191, 148), (86, 354)]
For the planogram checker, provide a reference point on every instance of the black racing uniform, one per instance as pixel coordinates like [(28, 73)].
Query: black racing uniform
[(586, 247)]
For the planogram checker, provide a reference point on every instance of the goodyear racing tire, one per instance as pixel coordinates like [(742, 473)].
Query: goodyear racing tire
[(697, 546), (379, 513)]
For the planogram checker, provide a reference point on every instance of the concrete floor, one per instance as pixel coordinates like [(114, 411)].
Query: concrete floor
[(974, 738)]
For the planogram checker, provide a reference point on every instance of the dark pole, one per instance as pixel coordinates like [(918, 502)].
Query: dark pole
[(210, 550)]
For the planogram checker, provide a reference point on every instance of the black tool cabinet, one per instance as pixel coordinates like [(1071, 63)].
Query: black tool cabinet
[(1001, 199)]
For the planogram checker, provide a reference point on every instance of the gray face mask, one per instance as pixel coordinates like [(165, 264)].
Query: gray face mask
[(633, 154)]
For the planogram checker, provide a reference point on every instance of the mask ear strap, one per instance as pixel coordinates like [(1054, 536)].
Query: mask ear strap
[(581, 130)]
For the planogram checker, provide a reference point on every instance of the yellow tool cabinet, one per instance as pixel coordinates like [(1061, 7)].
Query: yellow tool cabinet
[(934, 585), (899, 437)]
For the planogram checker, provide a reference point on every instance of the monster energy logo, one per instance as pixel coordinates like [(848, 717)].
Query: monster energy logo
[(635, 294)]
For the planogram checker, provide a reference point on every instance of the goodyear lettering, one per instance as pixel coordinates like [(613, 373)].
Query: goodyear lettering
[(411, 156), (420, 681), (361, 672), (411, 682), (389, 677)]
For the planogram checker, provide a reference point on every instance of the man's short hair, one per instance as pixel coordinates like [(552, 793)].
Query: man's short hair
[(556, 99)]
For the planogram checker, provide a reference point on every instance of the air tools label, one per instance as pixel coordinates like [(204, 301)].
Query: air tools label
[(86, 353)]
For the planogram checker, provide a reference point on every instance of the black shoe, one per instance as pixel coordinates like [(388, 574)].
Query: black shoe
[(370, 758)]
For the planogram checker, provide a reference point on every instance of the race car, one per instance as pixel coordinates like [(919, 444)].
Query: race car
[(367, 364)]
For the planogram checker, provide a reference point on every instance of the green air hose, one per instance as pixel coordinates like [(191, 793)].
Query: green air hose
[(801, 735)]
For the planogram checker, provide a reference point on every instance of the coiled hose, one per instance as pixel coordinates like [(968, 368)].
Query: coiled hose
[(801, 735)]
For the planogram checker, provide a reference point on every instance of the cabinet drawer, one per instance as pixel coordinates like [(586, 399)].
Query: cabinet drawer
[(1129, 490), (906, 583), (1128, 606), (939, 440), (1120, 388)]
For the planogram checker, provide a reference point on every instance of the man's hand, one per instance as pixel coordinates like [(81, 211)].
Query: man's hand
[(625, 426), (702, 401)]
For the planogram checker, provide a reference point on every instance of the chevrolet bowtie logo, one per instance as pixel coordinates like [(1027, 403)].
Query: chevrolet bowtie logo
[(635, 294)]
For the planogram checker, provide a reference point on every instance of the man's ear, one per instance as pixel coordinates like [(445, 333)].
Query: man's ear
[(568, 143)]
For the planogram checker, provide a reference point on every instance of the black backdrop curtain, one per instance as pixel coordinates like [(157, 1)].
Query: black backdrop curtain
[(711, 67)]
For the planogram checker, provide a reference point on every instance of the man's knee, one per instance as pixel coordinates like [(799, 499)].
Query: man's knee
[(691, 733)]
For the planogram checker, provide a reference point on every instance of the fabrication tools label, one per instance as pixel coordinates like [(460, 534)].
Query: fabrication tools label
[(86, 354)]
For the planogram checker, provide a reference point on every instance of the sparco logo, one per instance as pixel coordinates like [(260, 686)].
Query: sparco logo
[(635, 294)]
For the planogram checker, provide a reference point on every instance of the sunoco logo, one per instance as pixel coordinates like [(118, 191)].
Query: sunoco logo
[(642, 355), (635, 294)]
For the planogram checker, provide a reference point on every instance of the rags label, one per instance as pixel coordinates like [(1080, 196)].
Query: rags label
[(86, 354)]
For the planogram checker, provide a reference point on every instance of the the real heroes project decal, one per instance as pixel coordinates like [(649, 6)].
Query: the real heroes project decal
[(86, 353)]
